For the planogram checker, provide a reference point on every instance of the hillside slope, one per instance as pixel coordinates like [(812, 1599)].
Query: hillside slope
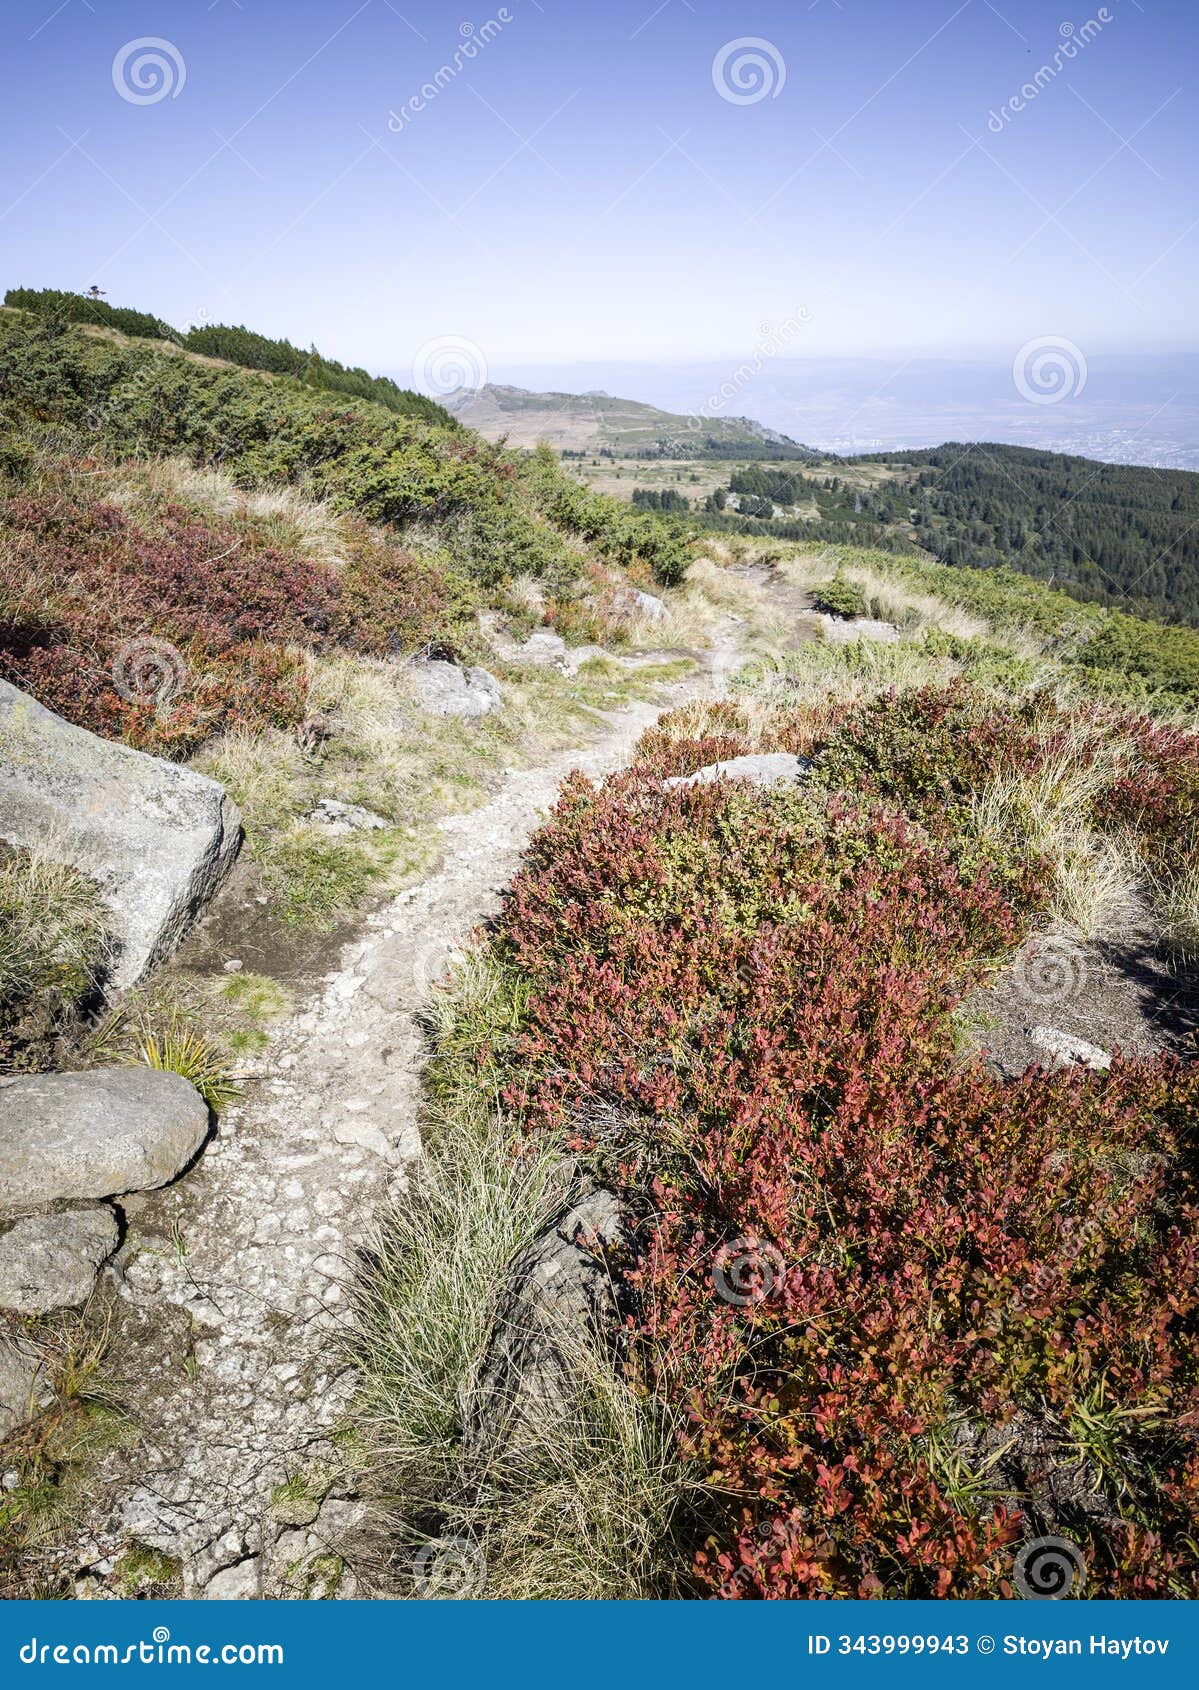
[(597, 422), (1105, 533)]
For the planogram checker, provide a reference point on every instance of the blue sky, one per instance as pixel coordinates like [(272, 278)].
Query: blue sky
[(582, 189)]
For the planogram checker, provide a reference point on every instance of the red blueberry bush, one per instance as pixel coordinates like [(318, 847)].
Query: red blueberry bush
[(914, 1314), (84, 588)]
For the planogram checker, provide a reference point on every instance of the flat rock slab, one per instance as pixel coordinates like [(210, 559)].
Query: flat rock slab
[(78, 1137), (158, 839), (444, 689), (342, 818), (51, 1261), (769, 768), (844, 630), (544, 648), (1065, 1050)]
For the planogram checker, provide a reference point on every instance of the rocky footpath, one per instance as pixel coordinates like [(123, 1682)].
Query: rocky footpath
[(233, 1280)]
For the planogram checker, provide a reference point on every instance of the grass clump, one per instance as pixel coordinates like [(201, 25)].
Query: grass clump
[(53, 1456), (574, 1511), (53, 948), (176, 1048)]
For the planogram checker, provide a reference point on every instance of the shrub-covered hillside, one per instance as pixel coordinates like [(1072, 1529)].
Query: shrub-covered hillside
[(891, 1312), (98, 548), (1124, 535), (507, 516), (237, 345)]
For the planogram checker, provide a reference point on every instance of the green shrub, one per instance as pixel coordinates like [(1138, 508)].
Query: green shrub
[(840, 597), (82, 308)]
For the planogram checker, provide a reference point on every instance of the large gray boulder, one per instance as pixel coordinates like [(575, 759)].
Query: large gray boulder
[(157, 838), (763, 769), (444, 689), (78, 1137), (51, 1261)]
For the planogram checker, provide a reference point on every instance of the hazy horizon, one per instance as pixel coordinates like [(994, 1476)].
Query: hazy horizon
[(1128, 410)]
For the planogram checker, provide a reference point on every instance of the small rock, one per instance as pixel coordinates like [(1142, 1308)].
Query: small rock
[(239, 1583), (843, 631), (51, 1261), (766, 769), (341, 818), (544, 648), (1066, 1051), (77, 1137), (295, 1510), (90, 1588), (339, 1517), (24, 1388), (446, 690), (366, 1136), (648, 605)]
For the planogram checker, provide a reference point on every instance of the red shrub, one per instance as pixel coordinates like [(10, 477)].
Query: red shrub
[(87, 597), (894, 1294)]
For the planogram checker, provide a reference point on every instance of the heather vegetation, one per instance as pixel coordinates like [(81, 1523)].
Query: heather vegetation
[(890, 1313), (502, 515)]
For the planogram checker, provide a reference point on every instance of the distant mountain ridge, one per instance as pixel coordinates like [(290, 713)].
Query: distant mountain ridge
[(596, 421)]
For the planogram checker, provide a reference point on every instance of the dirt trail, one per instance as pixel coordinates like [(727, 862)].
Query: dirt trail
[(236, 1281)]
